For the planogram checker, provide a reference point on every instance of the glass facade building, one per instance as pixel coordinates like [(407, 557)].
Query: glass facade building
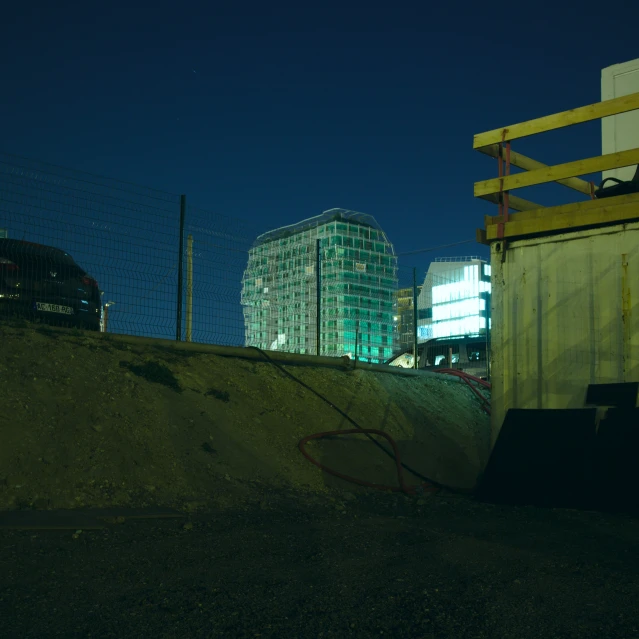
[(358, 283), (455, 299)]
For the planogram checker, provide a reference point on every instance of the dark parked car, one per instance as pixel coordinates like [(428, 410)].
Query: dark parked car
[(45, 284)]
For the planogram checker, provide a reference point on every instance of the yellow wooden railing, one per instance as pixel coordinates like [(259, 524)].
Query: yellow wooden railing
[(497, 144)]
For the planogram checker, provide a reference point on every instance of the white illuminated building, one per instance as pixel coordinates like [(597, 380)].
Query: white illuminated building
[(453, 299)]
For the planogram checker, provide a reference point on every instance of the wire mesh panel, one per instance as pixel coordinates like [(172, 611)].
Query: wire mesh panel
[(216, 253), (86, 251), (81, 246)]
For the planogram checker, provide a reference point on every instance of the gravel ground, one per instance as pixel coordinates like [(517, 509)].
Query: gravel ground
[(362, 566)]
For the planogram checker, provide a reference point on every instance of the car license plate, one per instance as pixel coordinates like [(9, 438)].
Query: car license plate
[(54, 308)]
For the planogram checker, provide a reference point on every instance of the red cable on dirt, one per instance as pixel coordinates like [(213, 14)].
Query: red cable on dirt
[(403, 487), (431, 487), (469, 379)]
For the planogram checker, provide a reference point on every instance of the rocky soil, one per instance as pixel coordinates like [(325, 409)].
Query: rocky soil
[(94, 420)]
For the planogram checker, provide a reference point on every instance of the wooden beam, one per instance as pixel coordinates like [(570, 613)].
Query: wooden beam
[(524, 162), (515, 203), (558, 172), (480, 236), (549, 211), (559, 120), (568, 217), (579, 207)]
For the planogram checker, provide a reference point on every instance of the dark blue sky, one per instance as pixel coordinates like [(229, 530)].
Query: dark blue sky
[(274, 113)]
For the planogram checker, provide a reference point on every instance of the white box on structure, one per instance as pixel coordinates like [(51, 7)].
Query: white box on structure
[(620, 132), (565, 314)]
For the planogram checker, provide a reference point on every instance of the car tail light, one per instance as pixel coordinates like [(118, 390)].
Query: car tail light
[(7, 265), (89, 281)]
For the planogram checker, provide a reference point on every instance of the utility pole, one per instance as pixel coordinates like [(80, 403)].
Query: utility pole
[(178, 317), (414, 317)]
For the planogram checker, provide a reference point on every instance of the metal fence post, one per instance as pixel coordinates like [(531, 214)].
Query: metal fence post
[(178, 319), (488, 334), (189, 288), (318, 278), (486, 297), (414, 317)]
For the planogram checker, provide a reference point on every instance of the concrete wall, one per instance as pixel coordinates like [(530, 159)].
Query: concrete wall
[(558, 307), (620, 132)]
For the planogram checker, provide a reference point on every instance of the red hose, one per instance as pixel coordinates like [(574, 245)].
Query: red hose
[(403, 487), (469, 379)]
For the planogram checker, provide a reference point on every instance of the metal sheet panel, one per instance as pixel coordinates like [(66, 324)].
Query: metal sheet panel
[(620, 132), (564, 315)]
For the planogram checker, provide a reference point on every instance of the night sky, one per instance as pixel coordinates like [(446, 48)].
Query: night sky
[(273, 113)]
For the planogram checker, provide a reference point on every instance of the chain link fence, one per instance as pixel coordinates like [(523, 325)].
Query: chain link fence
[(124, 237), (82, 250)]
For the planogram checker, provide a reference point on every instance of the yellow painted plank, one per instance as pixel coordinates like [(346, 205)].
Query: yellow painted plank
[(515, 203), (524, 162), (609, 211), (552, 211), (558, 172), (559, 120)]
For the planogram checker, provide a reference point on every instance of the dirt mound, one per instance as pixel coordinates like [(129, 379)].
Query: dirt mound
[(98, 420)]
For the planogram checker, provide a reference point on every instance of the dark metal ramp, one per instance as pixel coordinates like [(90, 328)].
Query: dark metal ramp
[(616, 461), (541, 458)]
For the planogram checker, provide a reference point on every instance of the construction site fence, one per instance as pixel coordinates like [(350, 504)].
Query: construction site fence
[(164, 268)]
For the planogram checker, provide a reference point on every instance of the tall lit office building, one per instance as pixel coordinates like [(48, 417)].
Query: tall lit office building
[(454, 298), (358, 278), (404, 317)]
